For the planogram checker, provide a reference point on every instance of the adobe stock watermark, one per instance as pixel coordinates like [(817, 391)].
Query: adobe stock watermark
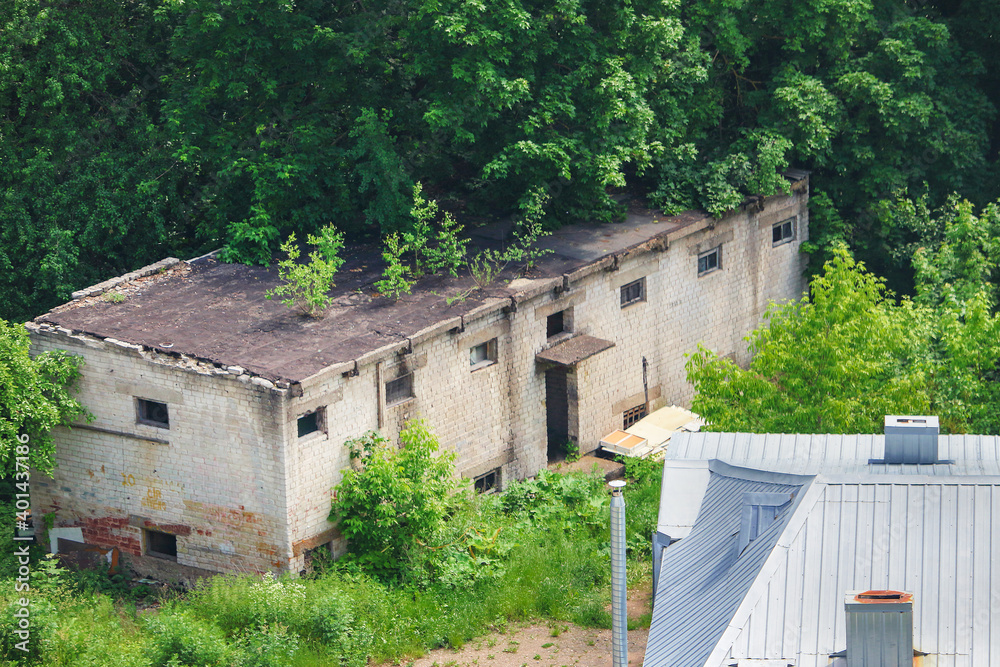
[(22, 614)]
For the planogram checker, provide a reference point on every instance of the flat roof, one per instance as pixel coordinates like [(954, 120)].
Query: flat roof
[(218, 312)]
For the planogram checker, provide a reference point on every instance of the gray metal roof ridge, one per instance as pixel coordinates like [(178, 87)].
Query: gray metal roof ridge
[(720, 467)]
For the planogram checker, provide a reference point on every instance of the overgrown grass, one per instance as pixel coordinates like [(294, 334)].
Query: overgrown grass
[(544, 546)]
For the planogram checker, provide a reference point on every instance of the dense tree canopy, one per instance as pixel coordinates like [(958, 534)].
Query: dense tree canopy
[(849, 353), (130, 130), (35, 396)]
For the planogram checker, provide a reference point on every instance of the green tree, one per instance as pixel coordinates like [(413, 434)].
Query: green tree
[(35, 397), (396, 499), (85, 179), (956, 287), (834, 362)]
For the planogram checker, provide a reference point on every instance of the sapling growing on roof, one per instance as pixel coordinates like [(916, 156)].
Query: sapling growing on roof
[(307, 286), (433, 250)]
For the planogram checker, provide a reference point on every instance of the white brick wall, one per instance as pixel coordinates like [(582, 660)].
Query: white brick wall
[(216, 485)]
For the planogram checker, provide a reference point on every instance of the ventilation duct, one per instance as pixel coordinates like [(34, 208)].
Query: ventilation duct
[(879, 629), (911, 439)]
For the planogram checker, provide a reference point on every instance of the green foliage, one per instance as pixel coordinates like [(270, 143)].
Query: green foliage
[(395, 279), (35, 397), (181, 638), (433, 250), (396, 500), (86, 183), (306, 286), (835, 362), (238, 602), (956, 288), (487, 265), (380, 170), (135, 130), (838, 361), (266, 646)]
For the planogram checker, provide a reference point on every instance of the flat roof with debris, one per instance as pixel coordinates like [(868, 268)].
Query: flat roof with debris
[(218, 312)]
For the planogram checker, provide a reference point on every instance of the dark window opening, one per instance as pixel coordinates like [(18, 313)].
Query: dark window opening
[(555, 324), (399, 390), (162, 545), (634, 292), (484, 353), (152, 413), (487, 483), (310, 423), (709, 261), (632, 415), (783, 232)]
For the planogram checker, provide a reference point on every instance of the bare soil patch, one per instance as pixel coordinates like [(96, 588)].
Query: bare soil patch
[(548, 644)]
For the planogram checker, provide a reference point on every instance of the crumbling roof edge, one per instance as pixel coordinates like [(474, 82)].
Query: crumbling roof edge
[(182, 361)]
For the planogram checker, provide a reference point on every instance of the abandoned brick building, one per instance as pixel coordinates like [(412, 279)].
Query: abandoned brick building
[(220, 416)]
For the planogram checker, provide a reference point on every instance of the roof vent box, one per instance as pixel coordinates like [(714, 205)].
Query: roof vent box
[(911, 439), (879, 628)]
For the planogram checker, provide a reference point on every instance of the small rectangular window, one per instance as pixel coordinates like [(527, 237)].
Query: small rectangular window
[(634, 292), (311, 422), (483, 354), (783, 232), (487, 483), (399, 390), (151, 413), (555, 324), (632, 415), (161, 545), (709, 261)]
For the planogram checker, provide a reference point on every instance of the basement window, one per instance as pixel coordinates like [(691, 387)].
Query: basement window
[(633, 415), (710, 261), (399, 390), (484, 354), (783, 232), (151, 413), (311, 422), (161, 545), (487, 483), (633, 292)]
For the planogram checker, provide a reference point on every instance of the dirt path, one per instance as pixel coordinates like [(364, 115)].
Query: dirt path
[(535, 645), (548, 644)]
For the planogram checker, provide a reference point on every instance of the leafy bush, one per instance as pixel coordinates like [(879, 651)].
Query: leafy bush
[(433, 251), (396, 501), (306, 285), (266, 646), (181, 638), (337, 626)]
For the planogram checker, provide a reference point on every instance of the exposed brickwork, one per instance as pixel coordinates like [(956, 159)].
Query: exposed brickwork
[(217, 484)]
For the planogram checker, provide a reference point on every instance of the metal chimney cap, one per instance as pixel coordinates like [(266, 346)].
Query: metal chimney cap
[(616, 483)]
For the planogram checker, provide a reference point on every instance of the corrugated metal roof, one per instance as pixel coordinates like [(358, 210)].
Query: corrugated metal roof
[(829, 453), (972, 455), (933, 536), (702, 578)]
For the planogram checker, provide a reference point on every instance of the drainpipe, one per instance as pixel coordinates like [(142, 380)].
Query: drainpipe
[(619, 615), (645, 385)]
